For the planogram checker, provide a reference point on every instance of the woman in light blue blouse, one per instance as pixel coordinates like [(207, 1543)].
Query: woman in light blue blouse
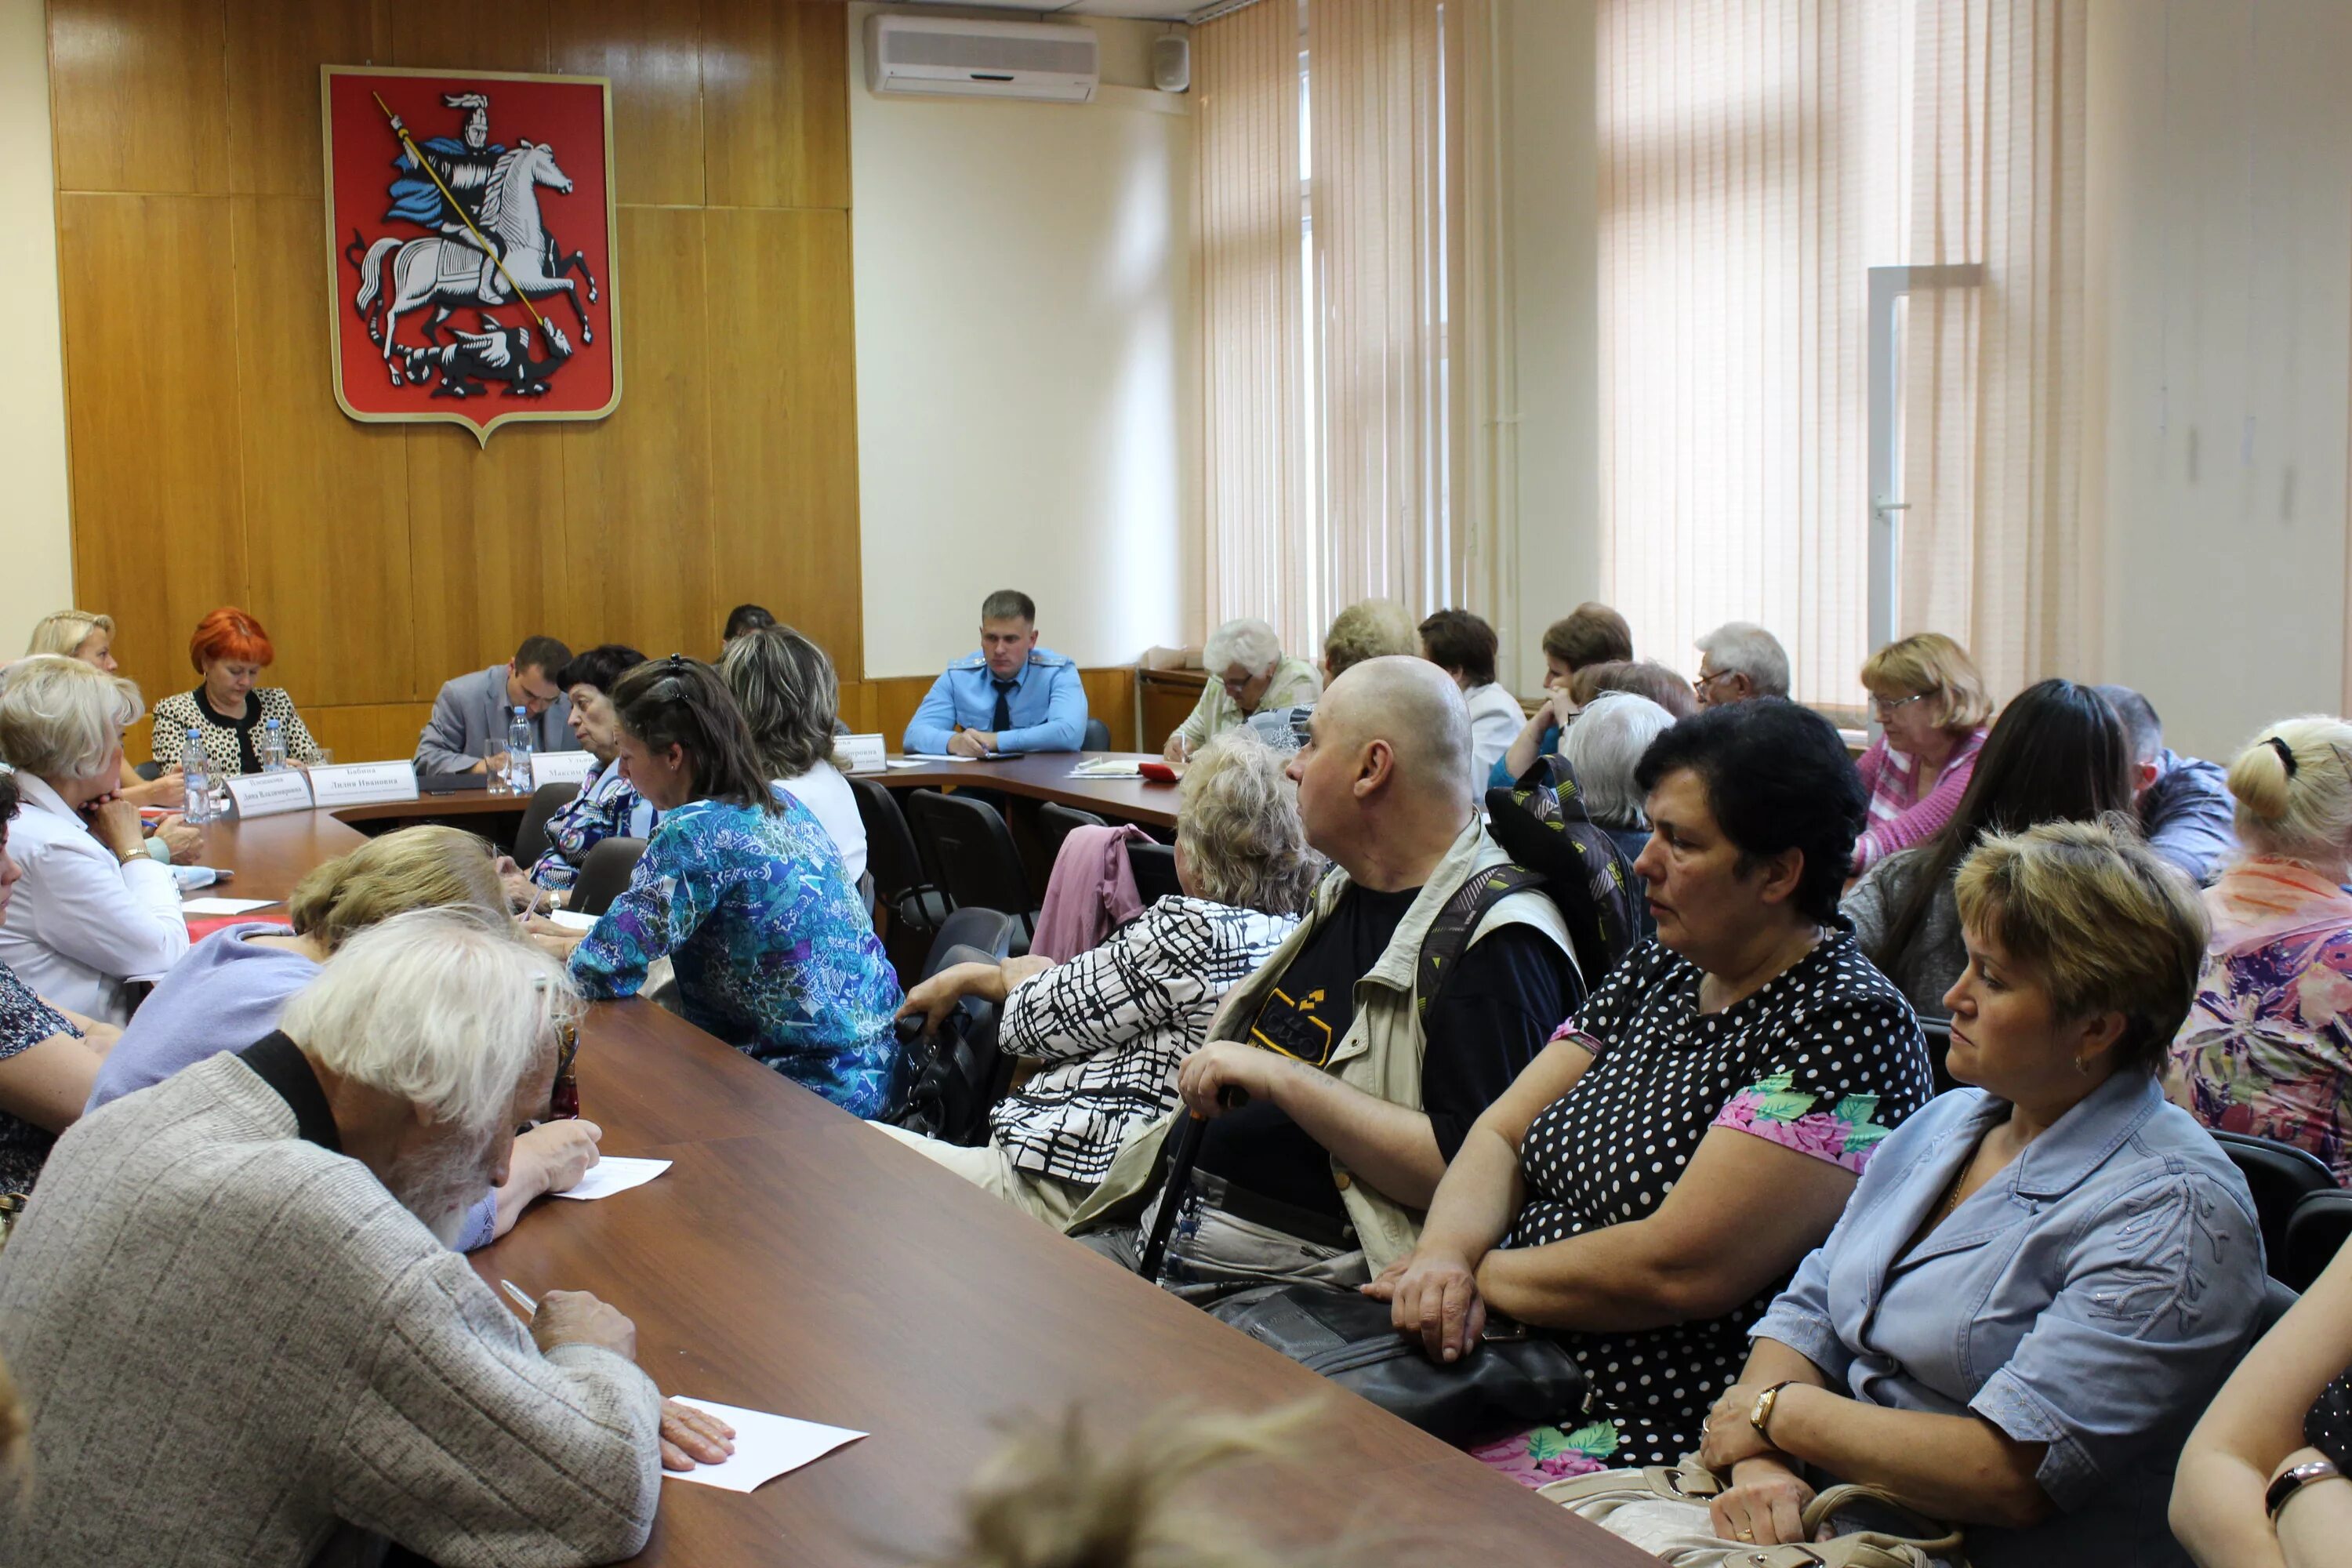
[(2040, 1283), (742, 891)]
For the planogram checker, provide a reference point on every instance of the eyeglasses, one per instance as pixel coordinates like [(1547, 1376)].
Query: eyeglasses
[(1707, 678), (1886, 707)]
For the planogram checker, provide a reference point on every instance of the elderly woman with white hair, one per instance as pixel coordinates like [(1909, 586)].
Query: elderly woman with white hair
[(1603, 744), (1247, 671), (353, 1376), (92, 910), (1112, 1025)]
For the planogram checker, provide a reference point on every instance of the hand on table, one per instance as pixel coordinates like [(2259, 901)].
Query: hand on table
[(166, 788), (523, 893), (552, 938), (970, 744), (1435, 1294), (691, 1437), (556, 1153), (1177, 750), (184, 842), (577, 1318)]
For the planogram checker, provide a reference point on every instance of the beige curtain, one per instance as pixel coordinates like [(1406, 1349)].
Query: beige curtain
[(1741, 210), (1258, 550), (1994, 551), (1385, 119)]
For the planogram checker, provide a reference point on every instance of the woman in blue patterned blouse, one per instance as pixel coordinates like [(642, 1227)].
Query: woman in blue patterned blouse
[(742, 891)]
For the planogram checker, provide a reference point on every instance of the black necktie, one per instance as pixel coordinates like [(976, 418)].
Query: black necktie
[(1003, 720)]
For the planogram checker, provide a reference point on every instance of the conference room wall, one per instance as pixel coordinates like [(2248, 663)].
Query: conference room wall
[(1025, 347), (32, 378), (209, 463)]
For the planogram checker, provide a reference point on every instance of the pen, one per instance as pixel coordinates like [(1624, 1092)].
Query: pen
[(514, 1290)]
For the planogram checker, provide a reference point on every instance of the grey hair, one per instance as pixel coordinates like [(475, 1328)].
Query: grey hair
[(1743, 647), (1238, 816), (789, 694), (1249, 643), (61, 718), (2141, 726), (1605, 745), (65, 631), (440, 1008)]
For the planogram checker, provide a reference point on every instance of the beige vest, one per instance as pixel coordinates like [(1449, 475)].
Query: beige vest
[(1382, 1052)]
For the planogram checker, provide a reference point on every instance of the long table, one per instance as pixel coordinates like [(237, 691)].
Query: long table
[(1045, 776), (795, 1260)]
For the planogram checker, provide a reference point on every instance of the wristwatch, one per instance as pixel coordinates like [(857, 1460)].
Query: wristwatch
[(2293, 1481), (1760, 1415)]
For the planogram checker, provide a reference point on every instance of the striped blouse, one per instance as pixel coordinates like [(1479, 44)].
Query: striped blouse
[(1899, 815)]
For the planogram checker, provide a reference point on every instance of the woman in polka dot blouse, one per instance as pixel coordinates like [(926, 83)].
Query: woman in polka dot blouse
[(1654, 1178)]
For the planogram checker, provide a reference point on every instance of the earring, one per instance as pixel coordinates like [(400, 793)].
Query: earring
[(2083, 1066)]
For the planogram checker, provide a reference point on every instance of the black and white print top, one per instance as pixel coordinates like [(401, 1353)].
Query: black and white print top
[(25, 1022), (228, 743), (1112, 1025), (1825, 1058)]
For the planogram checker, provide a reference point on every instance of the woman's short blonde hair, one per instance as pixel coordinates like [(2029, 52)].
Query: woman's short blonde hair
[(66, 630), (1368, 628), (428, 867), (62, 719), (2294, 787), (1238, 817), (1932, 665), (2108, 925)]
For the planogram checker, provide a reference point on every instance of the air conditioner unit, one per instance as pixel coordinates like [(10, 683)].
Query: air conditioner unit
[(944, 57)]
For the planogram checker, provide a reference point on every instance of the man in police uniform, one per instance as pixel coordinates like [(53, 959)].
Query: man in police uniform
[(1012, 696)]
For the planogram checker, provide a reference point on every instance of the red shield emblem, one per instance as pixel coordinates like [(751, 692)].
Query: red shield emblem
[(469, 225)]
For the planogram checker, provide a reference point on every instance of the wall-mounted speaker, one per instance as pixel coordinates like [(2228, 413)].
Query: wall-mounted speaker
[(1172, 64)]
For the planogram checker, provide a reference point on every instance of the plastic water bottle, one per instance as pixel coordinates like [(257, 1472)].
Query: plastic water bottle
[(196, 771), (519, 751), (270, 747)]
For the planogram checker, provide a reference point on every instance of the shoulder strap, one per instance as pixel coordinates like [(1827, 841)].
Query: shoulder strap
[(1449, 934)]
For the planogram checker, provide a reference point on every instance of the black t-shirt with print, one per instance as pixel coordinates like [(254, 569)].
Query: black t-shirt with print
[(1504, 1000)]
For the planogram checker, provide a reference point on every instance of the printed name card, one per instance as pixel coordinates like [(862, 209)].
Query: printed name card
[(362, 784), (560, 767), (861, 754), (269, 795)]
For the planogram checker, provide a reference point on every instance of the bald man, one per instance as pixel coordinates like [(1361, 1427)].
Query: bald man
[(1356, 1096)]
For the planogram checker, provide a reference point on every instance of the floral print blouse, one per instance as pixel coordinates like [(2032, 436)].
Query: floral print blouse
[(2267, 1046), (606, 808), (25, 1022), (772, 952)]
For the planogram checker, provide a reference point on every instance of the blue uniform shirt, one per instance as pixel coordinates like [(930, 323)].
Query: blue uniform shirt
[(1048, 703)]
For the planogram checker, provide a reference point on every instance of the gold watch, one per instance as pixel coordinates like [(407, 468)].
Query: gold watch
[(1759, 1415)]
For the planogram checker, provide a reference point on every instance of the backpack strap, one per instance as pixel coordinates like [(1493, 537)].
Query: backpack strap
[(1449, 934)]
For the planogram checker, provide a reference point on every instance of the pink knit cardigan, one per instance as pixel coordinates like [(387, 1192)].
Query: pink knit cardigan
[(1898, 821)]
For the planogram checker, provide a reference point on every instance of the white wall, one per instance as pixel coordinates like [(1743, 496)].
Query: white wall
[(33, 540), (2220, 351), (1025, 358)]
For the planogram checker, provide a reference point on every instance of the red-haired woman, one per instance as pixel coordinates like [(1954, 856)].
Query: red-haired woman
[(227, 711)]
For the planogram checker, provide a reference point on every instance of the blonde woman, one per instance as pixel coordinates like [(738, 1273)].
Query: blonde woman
[(93, 910), (1931, 704), (2267, 1048), (80, 634), (234, 984), (1368, 628)]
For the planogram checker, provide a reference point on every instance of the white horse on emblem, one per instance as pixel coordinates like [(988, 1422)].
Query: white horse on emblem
[(452, 272)]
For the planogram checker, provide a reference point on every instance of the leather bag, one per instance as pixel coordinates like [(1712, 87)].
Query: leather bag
[(1924, 1543)]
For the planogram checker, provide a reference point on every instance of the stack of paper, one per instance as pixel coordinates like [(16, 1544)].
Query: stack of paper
[(766, 1447)]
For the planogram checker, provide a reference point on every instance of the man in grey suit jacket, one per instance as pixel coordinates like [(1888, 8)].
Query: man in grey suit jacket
[(470, 716)]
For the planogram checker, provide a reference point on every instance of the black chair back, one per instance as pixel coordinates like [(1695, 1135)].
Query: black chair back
[(1056, 822), (531, 838), (1154, 866), (604, 874), (980, 934), (892, 861), (977, 859), (1939, 1044), (2281, 1176), (1098, 737), (2315, 1234), (956, 1076), (2278, 1296)]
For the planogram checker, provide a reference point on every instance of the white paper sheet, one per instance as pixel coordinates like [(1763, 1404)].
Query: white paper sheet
[(613, 1174), (223, 906), (571, 921), (766, 1447), (1107, 768)]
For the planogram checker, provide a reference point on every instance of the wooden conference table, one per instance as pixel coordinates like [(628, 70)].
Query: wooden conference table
[(795, 1260)]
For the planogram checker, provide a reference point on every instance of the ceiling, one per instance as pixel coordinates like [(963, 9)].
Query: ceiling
[(1140, 10)]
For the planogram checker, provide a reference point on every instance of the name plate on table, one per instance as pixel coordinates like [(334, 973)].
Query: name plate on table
[(560, 767), (861, 754), (269, 795), (362, 784)]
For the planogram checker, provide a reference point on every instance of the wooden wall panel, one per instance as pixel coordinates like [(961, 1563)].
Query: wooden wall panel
[(783, 452), (511, 36), (325, 499), (775, 97), (637, 487), (152, 418), (139, 95), (657, 91), (487, 537), (273, 93)]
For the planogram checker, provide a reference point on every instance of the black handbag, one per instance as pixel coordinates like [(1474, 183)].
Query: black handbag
[(1514, 1380)]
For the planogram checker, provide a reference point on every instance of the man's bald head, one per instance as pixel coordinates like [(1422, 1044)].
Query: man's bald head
[(1418, 711)]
